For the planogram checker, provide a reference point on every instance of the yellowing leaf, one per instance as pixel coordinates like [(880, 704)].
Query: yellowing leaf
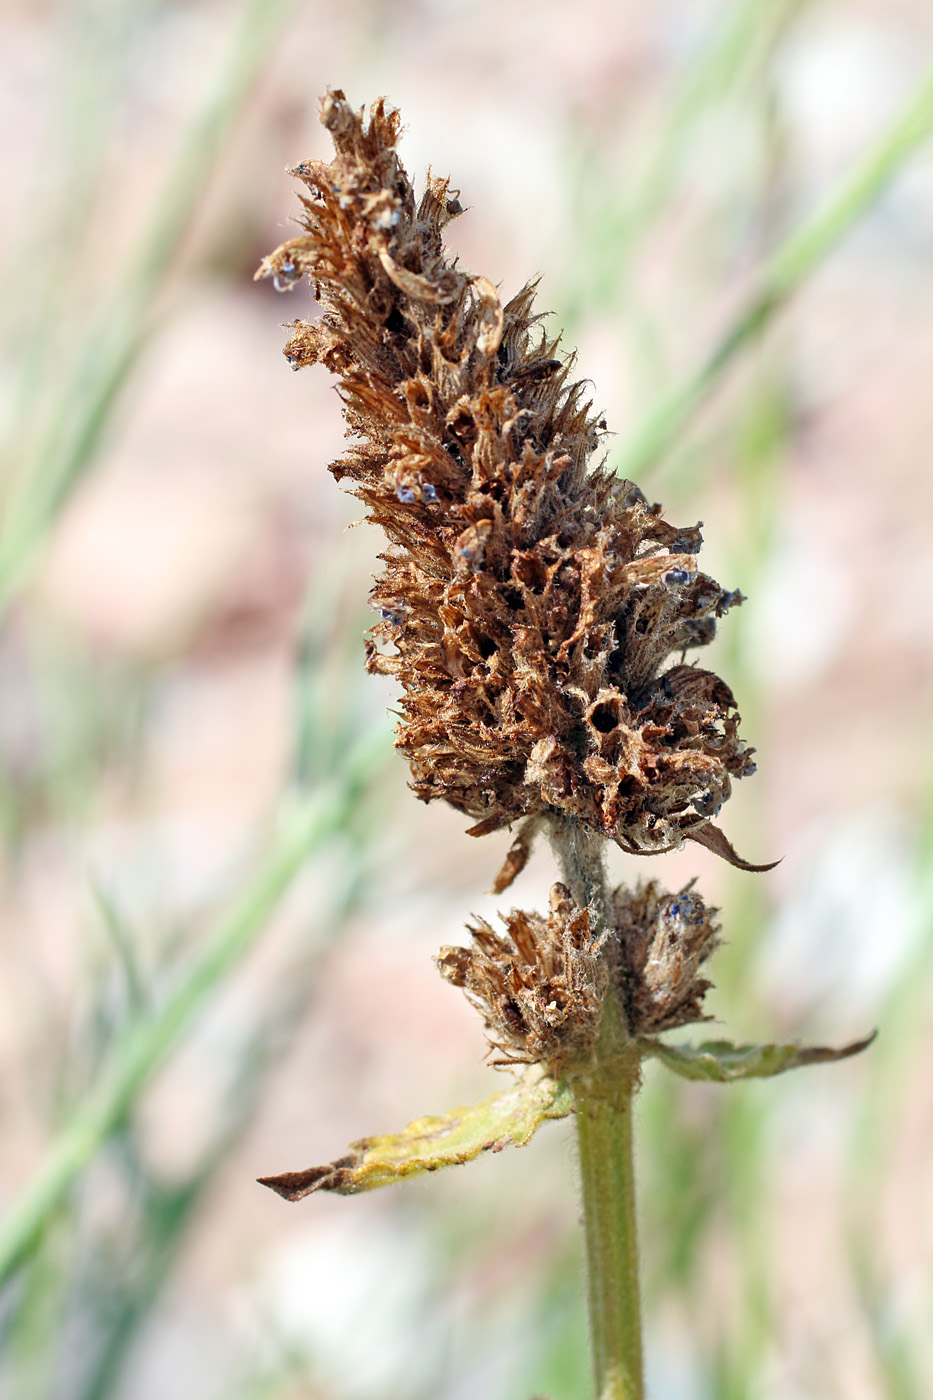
[(723, 1062), (507, 1119)]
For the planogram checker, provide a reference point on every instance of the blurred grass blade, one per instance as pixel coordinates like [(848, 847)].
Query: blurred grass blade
[(123, 946), (78, 418), (148, 1043), (616, 217), (736, 55), (506, 1119), (799, 256), (899, 1335), (166, 1212), (722, 1062)]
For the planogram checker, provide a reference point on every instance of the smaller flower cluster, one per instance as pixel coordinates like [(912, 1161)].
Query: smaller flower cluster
[(540, 985), (660, 943)]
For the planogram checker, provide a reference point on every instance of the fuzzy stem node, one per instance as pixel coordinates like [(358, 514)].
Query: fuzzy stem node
[(579, 856)]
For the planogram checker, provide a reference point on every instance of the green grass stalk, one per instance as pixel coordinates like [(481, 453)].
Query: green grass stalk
[(79, 417), (800, 255), (146, 1045)]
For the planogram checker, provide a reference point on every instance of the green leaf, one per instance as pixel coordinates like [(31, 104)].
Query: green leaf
[(723, 1062), (507, 1119)]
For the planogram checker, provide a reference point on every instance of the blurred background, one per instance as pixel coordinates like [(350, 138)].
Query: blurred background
[(218, 900)]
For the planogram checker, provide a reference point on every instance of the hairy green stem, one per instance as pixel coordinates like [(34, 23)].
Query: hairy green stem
[(603, 1093), (579, 855), (604, 1108), (800, 255)]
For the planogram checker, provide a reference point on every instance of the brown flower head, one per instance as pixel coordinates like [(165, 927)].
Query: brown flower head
[(531, 603), (540, 985)]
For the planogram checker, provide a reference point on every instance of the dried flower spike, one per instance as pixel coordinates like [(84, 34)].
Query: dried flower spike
[(531, 603)]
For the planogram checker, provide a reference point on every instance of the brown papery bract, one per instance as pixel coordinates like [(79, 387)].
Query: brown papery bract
[(535, 610)]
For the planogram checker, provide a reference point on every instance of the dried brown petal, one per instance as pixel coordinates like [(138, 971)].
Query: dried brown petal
[(518, 856), (531, 603)]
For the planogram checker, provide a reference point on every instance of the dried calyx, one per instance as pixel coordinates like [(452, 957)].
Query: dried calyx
[(540, 985), (531, 603)]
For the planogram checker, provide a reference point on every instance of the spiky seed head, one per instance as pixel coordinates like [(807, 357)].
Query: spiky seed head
[(535, 610)]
